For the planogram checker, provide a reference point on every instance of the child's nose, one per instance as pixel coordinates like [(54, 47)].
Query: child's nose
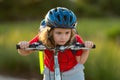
[(64, 36)]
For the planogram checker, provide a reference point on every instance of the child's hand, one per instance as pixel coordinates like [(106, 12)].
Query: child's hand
[(23, 44), (88, 44)]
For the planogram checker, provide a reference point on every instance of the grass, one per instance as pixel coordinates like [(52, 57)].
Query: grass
[(102, 64)]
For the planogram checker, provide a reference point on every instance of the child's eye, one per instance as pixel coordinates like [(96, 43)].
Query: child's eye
[(58, 32), (67, 32)]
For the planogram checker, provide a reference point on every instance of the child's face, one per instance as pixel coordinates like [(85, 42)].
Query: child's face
[(61, 36)]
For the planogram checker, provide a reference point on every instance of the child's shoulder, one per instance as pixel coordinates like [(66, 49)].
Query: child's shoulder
[(35, 39), (78, 38)]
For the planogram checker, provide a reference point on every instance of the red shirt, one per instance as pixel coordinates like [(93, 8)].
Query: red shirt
[(66, 59)]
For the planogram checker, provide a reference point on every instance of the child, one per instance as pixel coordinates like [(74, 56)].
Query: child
[(60, 30)]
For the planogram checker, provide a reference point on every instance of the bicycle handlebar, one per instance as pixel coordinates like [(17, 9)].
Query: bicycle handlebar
[(39, 46)]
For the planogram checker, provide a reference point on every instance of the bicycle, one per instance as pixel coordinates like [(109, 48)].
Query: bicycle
[(40, 47)]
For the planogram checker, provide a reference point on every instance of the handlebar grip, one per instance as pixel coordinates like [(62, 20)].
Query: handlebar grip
[(30, 46), (17, 46), (94, 46), (82, 45)]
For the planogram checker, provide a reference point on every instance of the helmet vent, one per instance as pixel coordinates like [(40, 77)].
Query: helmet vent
[(58, 17), (65, 17), (73, 25), (63, 10), (50, 12), (55, 9), (71, 18)]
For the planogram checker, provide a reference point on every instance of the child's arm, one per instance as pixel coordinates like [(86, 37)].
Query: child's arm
[(23, 45), (83, 58)]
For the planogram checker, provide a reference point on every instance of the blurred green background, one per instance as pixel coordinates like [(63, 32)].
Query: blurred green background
[(98, 21)]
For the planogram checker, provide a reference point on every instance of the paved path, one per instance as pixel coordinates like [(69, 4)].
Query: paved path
[(9, 78)]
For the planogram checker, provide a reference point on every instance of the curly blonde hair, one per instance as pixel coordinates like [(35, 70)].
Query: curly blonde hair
[(46, 37)]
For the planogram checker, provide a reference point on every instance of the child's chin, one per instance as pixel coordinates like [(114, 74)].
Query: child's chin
[(62, 44)]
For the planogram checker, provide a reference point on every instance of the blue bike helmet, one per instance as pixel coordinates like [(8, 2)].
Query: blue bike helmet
[(42, 25), (60, 17)]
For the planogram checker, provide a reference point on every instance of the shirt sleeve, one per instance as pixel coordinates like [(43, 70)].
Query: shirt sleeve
[(35, 39), (80, 40)]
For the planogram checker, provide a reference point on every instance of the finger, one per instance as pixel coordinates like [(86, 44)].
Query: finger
[(89, 44), (23, 44)]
